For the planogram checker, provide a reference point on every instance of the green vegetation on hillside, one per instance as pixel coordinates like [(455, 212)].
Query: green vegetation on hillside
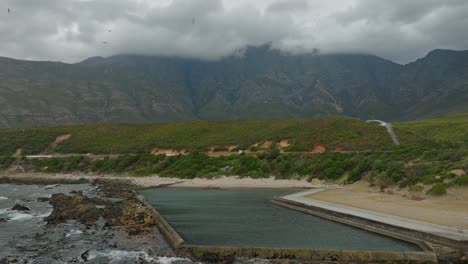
[(340, 132), (407, 166), (30, 141), (433, 152), (337, 133), (448, 130)]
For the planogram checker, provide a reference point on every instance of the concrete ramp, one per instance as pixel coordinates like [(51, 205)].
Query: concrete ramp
[(419, 232)]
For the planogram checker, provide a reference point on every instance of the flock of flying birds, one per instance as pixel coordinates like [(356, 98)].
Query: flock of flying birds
[(110, 30)]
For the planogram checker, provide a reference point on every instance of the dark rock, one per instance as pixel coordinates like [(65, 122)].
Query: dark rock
[(135, 231), (43, 199), (128, 212), (85, 255), (82, 180), (117, 189), (76, 207), (19, 207), (213, 188), (3, 220), (211, 257)]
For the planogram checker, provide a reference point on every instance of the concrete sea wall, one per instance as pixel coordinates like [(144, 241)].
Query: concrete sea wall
[(426, 241), (174, 239), (218, 254)]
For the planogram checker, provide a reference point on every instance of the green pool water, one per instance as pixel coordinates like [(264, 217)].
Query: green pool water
[(246, 217)]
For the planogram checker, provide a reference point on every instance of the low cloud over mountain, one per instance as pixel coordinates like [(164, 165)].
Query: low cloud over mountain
[(72, 30)]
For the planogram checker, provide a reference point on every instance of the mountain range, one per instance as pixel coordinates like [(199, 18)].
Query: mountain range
[(262, 83)]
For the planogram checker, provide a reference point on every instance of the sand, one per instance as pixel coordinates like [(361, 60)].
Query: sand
[(155, 181), (449, 210), (236, 182)]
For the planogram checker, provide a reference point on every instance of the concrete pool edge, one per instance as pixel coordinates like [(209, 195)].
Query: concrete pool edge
[(413, 231), (207, 253), (225, 253), (169, 233)]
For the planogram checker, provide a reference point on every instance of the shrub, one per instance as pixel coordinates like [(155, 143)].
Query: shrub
[(465, 167), (253, 148), (428, 180), (462, 180), (273, 154), (416, 171), (261, 155), (438, 189), (5, 161), (416, 188), (359, 170), (384, 180)]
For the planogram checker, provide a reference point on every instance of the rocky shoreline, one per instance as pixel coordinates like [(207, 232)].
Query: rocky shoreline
[(115, 204), (99, 226)]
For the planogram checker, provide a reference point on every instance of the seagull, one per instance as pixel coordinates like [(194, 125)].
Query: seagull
[(109, 30)]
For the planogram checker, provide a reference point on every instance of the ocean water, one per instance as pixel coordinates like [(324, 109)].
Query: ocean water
[(246, 217), (25, 237), (21, 223)]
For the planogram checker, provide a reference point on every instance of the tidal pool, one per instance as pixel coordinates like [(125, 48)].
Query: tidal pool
[(246, 217)]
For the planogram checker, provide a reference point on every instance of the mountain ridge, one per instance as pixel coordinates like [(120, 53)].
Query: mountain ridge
[(263, 83)]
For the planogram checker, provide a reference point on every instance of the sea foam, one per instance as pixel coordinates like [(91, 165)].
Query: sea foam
[(169, 260), (116, 255), (19, 216), (74, 232)]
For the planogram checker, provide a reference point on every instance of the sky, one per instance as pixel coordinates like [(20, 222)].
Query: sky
[(73, 30)]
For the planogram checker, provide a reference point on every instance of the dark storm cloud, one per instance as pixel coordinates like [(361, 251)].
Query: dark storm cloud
[(71, 30)]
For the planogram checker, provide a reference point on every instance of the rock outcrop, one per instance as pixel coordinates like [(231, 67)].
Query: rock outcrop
[(127, 212), (74, 207), (19, 207)]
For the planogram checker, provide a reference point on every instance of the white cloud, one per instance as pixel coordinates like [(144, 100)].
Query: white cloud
[(72, 30)]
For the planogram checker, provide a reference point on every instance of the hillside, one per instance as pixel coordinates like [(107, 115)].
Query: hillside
[(262, 84), (294, 135), (433, 152), (302, 135)]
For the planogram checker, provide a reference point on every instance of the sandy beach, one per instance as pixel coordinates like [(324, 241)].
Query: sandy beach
[(449, 210), (155, 181)]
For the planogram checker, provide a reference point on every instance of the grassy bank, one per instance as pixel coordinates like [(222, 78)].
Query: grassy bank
[(302, 135)]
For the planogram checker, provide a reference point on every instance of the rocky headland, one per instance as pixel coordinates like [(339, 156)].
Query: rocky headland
[(98, 224)]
